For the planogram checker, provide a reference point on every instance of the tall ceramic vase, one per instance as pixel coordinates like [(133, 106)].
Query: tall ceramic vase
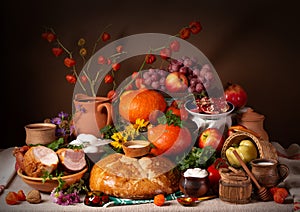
[(91, 114)]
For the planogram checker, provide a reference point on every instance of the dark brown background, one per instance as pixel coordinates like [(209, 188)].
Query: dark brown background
[(252, 43)]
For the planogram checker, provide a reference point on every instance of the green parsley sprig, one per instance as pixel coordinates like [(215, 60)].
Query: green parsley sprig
[(198, 158), (170, 118)]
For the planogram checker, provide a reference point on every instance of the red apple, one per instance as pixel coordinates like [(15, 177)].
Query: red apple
[(176, 82), (235, 94), (211, 137)]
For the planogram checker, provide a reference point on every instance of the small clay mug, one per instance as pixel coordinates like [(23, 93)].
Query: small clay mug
[(194, 186), (269, 172), (40, 133)]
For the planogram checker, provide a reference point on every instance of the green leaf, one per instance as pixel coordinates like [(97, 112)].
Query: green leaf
[(170, 119), (71, 146), (108, 131), (55, 145)]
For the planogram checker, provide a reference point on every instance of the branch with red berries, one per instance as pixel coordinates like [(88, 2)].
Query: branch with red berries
[(59, 48), (72, 77), (165, 53)]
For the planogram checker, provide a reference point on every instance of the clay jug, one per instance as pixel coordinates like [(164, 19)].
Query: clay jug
[(91, 114), (269, 172), (255, 122)]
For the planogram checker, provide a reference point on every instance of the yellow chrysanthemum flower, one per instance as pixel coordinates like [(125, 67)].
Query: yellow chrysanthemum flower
[(129, 133), (117, 144), (118, 140), (139, 123)]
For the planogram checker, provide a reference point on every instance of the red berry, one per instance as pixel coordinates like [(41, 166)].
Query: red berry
[(134, 74), (111, 94), (165, 53), (57, 51), (150, 58), (116, 66), (174, 46), (184, 33), (83, 78), (108, 78), (105, 36), (45, 35), (71, 78), (195, 27), (69, 62), (101, 60), (51, 37), (108, 61), (119, 49)]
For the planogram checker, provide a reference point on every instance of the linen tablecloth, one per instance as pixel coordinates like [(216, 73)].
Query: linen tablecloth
[(172, 205)]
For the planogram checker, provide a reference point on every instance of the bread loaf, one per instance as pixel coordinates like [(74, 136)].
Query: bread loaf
[(124, 177)]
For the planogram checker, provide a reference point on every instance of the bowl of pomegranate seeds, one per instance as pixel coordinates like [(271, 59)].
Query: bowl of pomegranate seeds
[(210, 112)]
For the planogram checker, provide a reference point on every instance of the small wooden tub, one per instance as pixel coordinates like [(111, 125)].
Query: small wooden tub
[(233, 190)]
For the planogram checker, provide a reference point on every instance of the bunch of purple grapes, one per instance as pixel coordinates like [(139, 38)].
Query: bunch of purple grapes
[(200, 78), (155, 78)]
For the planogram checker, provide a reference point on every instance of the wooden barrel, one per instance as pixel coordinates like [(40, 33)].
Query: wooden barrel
[(233, 188)]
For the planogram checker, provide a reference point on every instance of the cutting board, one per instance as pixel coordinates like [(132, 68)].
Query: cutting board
[(7, 166)]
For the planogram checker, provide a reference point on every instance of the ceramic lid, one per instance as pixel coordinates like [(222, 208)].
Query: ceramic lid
[(251, 115)]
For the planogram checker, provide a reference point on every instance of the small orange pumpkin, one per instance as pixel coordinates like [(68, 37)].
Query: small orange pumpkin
[(140, 103), (169, 139)]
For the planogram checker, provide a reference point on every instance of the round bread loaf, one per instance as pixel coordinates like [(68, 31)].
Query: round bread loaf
[(124, 177)]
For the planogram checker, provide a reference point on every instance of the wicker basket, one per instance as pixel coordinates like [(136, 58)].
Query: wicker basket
[(265, 148)]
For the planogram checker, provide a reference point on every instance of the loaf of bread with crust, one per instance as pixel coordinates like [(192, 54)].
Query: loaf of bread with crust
[(134, 178)]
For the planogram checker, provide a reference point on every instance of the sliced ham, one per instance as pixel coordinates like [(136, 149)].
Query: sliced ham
[(72, 159), (39, 159)]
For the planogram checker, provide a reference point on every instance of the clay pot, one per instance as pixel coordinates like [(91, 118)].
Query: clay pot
[(255, 122), (91, 114), (194, 186)]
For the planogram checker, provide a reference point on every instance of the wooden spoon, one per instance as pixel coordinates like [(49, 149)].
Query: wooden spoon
[(263, 192)]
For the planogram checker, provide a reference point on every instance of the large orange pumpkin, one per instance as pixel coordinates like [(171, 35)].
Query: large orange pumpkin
[(169, 139), (141, 103)]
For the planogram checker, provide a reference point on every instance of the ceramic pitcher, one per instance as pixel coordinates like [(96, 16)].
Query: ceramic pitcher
[(269, 172), (91, 114)]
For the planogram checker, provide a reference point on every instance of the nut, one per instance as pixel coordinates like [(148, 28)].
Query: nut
[(34, 196)]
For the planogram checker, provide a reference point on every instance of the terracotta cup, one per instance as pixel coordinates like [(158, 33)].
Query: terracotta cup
[(91, 114), (269, 172), (40, 133)]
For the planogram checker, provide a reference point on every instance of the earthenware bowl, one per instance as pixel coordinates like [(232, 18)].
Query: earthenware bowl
[(47, 186), (136, 148), (40, 133)]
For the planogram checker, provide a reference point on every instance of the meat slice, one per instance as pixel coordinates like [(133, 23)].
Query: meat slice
[(19, 153), (72, 159), (38, 160)]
